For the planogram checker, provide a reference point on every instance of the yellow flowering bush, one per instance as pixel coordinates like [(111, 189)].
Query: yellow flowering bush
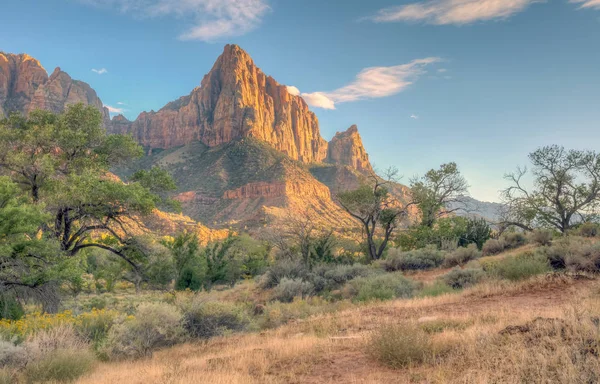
[(93, 325)]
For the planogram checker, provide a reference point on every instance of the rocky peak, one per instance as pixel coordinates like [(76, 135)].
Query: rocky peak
[(235, 100), (25, 86), (346, 148)]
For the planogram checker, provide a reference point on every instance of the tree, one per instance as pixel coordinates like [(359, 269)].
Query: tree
[(375, 208), (439, 192), (61, 164), (565, 191)]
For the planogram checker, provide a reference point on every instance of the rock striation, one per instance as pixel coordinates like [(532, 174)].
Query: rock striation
[(25, 86)]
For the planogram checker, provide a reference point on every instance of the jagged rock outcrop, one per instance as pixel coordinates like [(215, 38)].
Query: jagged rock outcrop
[(346, 148), (235, 99), (25, 86)]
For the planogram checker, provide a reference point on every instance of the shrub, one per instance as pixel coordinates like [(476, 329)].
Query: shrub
[(288, 289), (12, 355), (381, 287), (588, 230), (62, 365), (436, 289), (334, 276), (463, 278), (518, 267), (95, 325), (555, 255), (462, 256), (493, 247), (10, 308), (425, 258), (541, 236), (204, 320), (155, 325), (8, 376), (583, 257), (400, 345), (283, 268), (513, 239)]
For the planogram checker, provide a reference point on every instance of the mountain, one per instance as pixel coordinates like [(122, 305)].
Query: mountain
[(25, 86)]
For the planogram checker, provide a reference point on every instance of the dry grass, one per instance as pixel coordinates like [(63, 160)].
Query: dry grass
[(465, 326)]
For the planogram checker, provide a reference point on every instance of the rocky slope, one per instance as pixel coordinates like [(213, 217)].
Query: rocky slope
[(235, 100), (25, 86)]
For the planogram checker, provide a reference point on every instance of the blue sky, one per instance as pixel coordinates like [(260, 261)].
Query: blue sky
[(479, 82)]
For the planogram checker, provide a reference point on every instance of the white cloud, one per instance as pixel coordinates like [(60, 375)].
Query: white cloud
[(101, 71), (414, 117), (120, 103), (372, 83), (441, 12), (442, 70), (293, 90), (208, 19), (588, 3), (114, 110)]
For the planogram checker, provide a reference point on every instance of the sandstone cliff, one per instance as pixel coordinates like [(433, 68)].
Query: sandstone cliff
[(25, 86), (235, 99), (346, 148)]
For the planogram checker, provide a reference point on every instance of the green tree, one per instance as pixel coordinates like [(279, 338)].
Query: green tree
[(565, 191), (61, 164), (377, 210), (439, 192)]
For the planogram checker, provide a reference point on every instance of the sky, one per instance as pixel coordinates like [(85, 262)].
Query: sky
[(478, 82)]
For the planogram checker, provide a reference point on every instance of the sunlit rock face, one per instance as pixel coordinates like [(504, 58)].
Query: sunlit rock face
[(25, 86)]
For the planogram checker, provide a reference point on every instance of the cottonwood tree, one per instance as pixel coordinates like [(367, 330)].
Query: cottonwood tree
[(61, 164), (439, 192), (565, 190), (376, 209)]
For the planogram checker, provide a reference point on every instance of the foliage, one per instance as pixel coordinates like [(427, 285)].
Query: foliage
[(541, 236), (513, 239), (204, 320), (288, 289), (381, 287), (374, 207), (462, 256), (60, 366), (588, 229), (566, 190), (425, 258), (155, 325), (493, 247), (438, 288), (477, 232), (463, 278), (334, 276), (283, 269), (436, 191), (400, 345), (518, 267)]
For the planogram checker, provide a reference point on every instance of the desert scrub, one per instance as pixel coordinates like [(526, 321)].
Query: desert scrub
[(400, 345), (462, 256), (493, 247), (463, 278), (282, 269), (93, 325), (204, 320), (381, 287), (437, 288), (155, 325), (513, 239), (61, 365), (425, 258), (288, 289), (277, 313), (518, 267), (588, 230), (541, 237)]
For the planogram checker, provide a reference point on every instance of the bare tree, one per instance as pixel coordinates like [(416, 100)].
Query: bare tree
[(376, 209), (439, 192), (565, 191)]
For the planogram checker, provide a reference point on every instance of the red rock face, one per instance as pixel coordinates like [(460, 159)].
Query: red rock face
[(346, 148), (25, 86), (235, 99)]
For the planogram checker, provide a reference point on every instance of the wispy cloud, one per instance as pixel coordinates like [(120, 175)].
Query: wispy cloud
[(588, 3), (101, 71), (120, 103), (371, 83), (441, 12), (414, 117), (114, 110), (207, 19)]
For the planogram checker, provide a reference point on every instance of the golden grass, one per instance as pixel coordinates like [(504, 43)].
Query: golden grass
[(332, 348)]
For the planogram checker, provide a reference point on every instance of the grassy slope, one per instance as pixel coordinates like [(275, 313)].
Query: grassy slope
[(333, 347)]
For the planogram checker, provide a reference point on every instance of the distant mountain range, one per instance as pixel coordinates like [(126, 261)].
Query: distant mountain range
[(244, 151)]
